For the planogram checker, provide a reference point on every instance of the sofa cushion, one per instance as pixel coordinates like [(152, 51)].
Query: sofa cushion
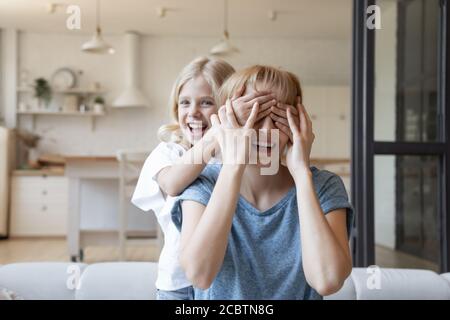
[(39, 280), (118, 280), (408, 284), (446, 276)]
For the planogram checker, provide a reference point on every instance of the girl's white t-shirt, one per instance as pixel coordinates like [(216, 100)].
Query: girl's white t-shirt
[(148, 196)]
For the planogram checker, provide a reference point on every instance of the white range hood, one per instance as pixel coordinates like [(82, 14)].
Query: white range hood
[(132, 96)]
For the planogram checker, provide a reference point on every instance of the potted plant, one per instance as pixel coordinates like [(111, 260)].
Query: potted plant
[(42, 91), (99, 104)]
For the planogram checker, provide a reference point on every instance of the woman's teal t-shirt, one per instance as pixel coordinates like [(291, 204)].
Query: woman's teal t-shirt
[(263, 259)]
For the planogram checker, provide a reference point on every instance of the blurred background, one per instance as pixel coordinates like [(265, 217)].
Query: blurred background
[(80, 99)]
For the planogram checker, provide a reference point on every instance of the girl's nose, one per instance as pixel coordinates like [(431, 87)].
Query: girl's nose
[(194, 109)]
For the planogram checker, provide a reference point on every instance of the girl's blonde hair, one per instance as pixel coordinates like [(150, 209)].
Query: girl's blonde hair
[(284, 84), (214, 71)]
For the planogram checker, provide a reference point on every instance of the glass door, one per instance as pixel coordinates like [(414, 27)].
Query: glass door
[(401, 148)]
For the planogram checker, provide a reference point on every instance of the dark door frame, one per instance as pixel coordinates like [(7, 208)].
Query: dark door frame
[(364, 146)]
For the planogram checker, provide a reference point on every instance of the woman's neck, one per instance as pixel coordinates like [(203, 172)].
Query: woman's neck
[(265, 190)]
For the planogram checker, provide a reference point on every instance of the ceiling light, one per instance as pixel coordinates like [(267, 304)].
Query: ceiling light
[(97, 44), (224, 47)]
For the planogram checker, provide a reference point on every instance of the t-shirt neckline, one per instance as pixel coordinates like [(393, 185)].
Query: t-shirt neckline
[(277, 206)]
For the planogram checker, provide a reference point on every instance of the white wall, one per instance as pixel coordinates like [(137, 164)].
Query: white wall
[(385, 106), (2, 102), (320, 64), (8, 76)]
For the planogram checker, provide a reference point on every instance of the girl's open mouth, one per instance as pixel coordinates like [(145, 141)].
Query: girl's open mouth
[(197, 128)]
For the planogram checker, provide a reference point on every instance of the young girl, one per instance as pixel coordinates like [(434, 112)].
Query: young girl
[(250, 236), (170, 168)]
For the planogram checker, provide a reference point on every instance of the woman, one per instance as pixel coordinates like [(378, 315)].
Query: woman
[(170, 168), (250, 236)]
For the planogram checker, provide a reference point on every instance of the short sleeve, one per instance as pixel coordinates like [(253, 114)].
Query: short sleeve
[(333, 195), (147, 194), (199, 191)]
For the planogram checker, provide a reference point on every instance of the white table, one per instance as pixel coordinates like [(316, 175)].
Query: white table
[(93, 204)]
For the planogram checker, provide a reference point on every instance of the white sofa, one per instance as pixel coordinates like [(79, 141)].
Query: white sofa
[(135, 280)]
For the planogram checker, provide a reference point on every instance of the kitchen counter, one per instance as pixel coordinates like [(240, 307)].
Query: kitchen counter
[(90, 158), (39, 172)]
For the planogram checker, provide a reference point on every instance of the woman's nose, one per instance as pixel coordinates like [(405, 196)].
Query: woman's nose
[(266, 124)]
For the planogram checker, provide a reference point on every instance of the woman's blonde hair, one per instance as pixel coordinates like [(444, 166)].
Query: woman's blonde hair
[(284, 84), (214, 71)]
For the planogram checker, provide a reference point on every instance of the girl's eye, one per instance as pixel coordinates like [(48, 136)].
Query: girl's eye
[(207, 103), (184, 102)]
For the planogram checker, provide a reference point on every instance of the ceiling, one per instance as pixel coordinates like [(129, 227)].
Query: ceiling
[(312, 19)]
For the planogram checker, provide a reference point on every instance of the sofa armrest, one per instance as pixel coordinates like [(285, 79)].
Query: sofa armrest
[(118, 281), (39, 280)]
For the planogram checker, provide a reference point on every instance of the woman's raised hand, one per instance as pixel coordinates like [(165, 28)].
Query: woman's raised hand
[(299, 150), (279, 117), (234, 140), (243, 104)]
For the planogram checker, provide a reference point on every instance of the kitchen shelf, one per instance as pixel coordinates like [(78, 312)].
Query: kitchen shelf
[(63, 113), (77, 91), (67, 91), (34, 113)]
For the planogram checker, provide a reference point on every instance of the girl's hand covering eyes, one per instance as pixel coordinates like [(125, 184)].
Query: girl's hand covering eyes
[(243, 105), (234, 140)]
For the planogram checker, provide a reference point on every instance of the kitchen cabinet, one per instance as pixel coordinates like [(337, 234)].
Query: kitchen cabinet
[(39, 205)]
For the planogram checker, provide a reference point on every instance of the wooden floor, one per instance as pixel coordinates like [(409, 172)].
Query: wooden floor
[(55, 249), (389, 258)]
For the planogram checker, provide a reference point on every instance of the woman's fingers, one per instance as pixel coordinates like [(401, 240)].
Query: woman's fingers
[(262, 100), (279, 119), (231, 117), (215, 120), (252, 118), (249, 97), (284, 106), (267, 105), (280, 110), (292, 124), (284, 129), (263, 114), (304, 122), (222, 115)]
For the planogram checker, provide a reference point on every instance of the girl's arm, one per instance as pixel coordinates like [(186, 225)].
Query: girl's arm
[(325, 250), (174, 179), (204, 233)]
